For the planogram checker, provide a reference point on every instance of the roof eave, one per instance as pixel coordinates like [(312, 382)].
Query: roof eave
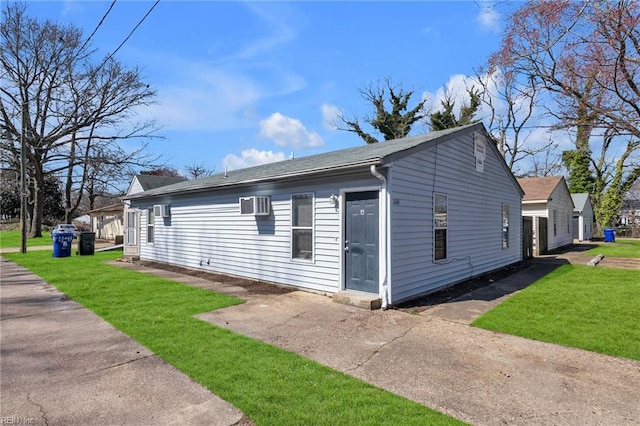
[(306, 173), (541, 201)]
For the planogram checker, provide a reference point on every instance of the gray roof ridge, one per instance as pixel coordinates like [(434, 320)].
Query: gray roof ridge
[(346, 158)]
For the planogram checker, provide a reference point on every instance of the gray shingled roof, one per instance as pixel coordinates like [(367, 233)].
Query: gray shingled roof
[(149, 182), (361, 156), (579, 201)]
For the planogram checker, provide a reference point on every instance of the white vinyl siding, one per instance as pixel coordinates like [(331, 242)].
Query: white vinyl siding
[(135, 187), (474, 208), (207, 232)]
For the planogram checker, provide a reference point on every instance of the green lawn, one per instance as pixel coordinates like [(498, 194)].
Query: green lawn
[(621, 248), (268, 384), (10, 239), (590, 308)]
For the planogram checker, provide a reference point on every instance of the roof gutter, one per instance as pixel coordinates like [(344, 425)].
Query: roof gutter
[(385, 208)]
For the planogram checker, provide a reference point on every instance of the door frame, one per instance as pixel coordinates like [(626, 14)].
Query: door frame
[(132, 250), (381, 237)]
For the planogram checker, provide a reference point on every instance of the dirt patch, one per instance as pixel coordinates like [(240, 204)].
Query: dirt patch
[(450, 293), (252, 286)]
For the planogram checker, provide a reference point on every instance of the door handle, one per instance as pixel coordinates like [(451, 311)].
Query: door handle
[(346, 245)]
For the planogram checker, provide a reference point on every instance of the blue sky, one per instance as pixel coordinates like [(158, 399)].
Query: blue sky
[(243, 83)]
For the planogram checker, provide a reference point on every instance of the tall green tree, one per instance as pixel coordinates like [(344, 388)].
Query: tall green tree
[(392, 117), (581, 178)]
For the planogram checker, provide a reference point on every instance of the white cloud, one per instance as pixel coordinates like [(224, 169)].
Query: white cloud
[(330, 116), (221, 90), (211, 100), (457, 87), (288, 132), (209, 97), (252, 157), (488, 17), (280, 32)]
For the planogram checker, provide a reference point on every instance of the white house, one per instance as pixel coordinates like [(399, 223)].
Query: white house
[(582, 217), (393, 220), (548, 201), (140, 183), (107, 222)]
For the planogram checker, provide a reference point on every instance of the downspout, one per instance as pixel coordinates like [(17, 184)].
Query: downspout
[(385, 287)]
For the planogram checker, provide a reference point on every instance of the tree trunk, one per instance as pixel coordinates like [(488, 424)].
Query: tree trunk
[(38, 205)]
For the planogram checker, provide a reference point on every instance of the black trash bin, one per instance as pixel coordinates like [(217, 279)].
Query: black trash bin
[(86, 243)]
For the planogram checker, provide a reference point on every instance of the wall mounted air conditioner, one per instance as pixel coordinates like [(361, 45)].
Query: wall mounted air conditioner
[(161, 210), (255, 206)]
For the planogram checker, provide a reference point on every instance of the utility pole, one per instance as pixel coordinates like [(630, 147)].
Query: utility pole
[(23, 182)]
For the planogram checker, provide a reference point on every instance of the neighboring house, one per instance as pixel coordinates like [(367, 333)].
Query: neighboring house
[(548, 201), (582, 217), (107, 222), (140, 183), (393, 220), (629, 219), (629, 213)]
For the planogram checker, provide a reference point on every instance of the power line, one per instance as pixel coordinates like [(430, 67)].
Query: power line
[(130, 34), (97, 26)]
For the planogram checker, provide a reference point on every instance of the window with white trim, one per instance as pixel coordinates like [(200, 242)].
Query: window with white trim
[(439, 227), (151, 219), (505, 226), (302, 226)]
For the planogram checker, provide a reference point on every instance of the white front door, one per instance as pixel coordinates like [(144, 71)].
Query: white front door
[(132, 232)]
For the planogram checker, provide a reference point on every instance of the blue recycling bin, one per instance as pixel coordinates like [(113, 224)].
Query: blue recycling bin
[(609, 235), (62, 243)]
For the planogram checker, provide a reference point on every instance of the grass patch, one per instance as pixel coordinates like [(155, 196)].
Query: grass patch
[(268, 384), (580, 306), (10, 239), (621, 248)]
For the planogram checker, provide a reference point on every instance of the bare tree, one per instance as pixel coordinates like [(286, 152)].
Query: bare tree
[(198, 170), (72, 104), (512, 105), (586, 56), (392, 117)]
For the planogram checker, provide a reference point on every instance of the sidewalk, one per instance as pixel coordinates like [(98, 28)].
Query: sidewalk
[(61, 364)]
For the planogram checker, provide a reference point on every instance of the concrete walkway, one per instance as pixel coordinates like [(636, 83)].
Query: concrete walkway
[(61, 364), (435, 358), (478, 376)]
